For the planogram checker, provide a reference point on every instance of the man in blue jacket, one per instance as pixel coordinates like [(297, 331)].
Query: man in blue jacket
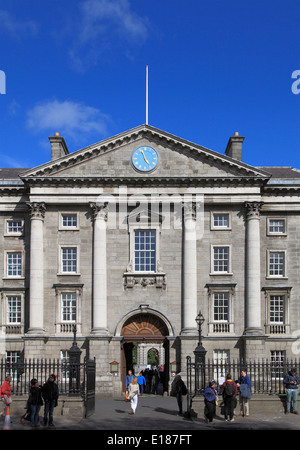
[(244, 385), (291, 382)]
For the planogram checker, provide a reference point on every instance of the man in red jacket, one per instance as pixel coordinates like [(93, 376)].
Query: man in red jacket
[(229, 392)]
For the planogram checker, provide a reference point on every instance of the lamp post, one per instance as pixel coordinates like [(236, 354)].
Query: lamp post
[(200, 353), (74, 361)]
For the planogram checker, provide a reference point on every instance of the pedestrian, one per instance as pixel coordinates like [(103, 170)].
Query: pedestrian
[(50, 396), (133, 390), (210, 401), (229, 392), (178, 390), (155, 381), (35, 402), (291, 382), (6, 394), (141, 382), (244, 385), (128, 379)]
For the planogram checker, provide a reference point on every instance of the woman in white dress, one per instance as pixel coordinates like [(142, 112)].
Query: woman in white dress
[(133, 394)]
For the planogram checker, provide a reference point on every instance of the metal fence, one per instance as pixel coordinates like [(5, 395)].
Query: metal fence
[(266, 376), (71, 378)]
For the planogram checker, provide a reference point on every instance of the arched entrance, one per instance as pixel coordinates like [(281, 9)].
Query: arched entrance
[(143, 333)]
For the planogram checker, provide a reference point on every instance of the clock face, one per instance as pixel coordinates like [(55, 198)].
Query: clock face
[(144, 159)]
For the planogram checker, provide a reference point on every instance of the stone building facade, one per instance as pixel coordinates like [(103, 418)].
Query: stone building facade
[(131, 237)]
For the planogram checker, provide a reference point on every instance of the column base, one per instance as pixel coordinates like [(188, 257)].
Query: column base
[(189, 331), (35, 332), (100, 331), (253, 331)]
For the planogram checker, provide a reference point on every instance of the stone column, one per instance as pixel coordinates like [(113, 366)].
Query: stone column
[(189, 270), (99, 270), (36, 293), (253, 288)]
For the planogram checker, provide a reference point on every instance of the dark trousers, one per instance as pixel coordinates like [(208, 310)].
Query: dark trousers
[(179, 402), (48, 412), (210, 410), (229, 403)]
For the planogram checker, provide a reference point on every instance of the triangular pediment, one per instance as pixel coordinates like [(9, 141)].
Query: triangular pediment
[(113, 158)]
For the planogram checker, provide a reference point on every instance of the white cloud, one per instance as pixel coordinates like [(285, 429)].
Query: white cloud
[(104, 24), (16, 27), (98, 16), (72, 120)]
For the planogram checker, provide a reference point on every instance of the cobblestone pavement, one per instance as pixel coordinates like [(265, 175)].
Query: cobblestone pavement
[(157, 413)]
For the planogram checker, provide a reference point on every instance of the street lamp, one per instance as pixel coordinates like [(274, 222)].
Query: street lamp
[(200, 351)]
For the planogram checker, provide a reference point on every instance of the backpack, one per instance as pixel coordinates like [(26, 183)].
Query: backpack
[(229, 389)]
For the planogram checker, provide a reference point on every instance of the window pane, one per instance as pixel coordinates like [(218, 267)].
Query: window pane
[(69, 259), (277, 309), (68, 307), (69, 220), (145, 250), (221, 306), (14, 264), (276, 263), (14, 309), (221, 259), (276, 226), (221, 220)]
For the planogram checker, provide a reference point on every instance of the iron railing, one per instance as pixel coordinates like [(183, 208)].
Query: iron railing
[(70, 378), (266, 376)]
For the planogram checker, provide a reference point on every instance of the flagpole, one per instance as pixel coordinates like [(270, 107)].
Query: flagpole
[(146, 95)]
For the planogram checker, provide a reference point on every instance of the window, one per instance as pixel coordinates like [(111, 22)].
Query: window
[(12, 357), (144, 250), (14, 264), (276, 226), (277, 304), (13, 309), (277, 310), (69, 221), (277, 363), (220, 221), (276, 264), (69, 259), (221, 306), (14, 227), (220, 259), (68, 307)]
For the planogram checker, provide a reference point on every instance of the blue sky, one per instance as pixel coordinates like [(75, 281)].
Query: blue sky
[(78, 67)]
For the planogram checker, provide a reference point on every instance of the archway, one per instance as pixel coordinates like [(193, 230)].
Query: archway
[(144, 331)]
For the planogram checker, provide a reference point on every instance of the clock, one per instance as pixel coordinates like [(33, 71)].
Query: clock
[(144, 159)]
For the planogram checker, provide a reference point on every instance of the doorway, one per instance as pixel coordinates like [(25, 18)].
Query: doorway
[(145, 346)]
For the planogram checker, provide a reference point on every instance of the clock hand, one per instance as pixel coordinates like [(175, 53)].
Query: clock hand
[(145, 157)]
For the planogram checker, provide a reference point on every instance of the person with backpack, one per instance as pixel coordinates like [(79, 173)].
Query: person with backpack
[(229, 393), (178, 390)]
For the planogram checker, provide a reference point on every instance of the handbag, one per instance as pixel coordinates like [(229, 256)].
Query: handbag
[(245, 391), (127, 397)]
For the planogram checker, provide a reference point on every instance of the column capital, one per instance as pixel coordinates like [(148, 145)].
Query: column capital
[(253, 209), (37, 210), (189, 210), (100, 210)]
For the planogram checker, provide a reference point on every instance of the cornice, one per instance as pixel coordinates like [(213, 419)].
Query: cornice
[(144, 181), (53, 167)]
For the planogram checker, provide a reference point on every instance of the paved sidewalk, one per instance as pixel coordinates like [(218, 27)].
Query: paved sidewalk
[(157, 413)]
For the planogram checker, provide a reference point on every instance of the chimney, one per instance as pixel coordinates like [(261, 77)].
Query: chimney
[(234, 147), (58, 147)]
